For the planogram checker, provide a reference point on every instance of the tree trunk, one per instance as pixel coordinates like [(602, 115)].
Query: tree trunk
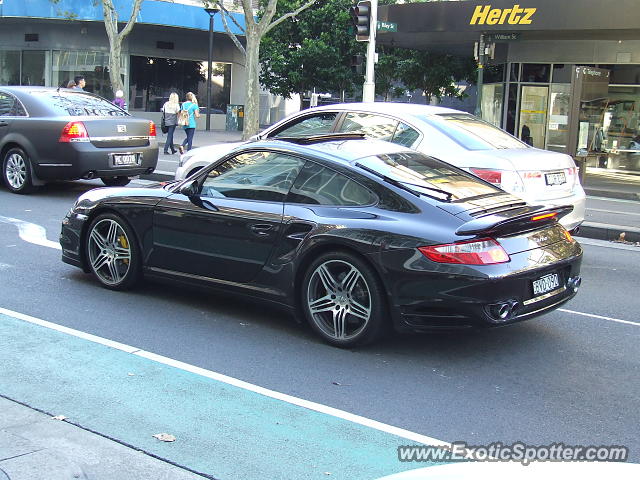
[(252, 105), (114, 64)]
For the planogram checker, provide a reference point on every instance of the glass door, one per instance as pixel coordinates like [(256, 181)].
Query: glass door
[(533, 115)]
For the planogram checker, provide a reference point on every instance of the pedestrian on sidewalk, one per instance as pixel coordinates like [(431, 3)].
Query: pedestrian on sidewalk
[(119, 100), (193, 111), (170, 114), (80, 82)]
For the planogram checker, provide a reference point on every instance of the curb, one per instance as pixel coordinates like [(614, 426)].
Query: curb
[(603, 231), (612, 194)]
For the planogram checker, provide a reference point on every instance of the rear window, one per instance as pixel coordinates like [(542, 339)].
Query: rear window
[(417, 170), (78, 104), (473, 133)]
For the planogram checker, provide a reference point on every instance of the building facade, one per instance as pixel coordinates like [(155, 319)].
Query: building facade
[(533, 48), (46, 43)]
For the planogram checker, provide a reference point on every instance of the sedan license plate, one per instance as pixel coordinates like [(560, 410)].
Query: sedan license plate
[(557, 178), (546, 284), (125, 159)]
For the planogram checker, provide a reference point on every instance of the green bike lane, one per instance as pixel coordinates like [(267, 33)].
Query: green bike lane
[(224, 428)]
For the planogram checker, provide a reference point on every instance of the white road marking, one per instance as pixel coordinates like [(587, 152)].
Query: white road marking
[(600, 317), (317, 407), (32, 233)]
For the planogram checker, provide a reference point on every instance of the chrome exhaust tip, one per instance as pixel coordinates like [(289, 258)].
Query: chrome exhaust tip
[(501, 312), (90, 175), (574, 283)]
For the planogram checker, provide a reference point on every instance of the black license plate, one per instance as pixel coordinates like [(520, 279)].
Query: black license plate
[(124, 159), (546, 284), (556, 178)]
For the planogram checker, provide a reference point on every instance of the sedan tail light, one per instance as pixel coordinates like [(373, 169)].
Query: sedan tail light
[(486, 251), (508, 180), (152, 129), (74, 132)]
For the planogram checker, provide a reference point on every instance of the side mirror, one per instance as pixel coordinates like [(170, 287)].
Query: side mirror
[(189, 189), (254, 138)]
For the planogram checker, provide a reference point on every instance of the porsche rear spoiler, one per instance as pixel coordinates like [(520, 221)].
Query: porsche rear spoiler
[(512, 221)]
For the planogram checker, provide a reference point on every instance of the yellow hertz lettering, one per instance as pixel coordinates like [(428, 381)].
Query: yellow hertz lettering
[(485, 15)]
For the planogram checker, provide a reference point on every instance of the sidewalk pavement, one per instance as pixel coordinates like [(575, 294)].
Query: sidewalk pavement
[(35, 446), (613, 196)]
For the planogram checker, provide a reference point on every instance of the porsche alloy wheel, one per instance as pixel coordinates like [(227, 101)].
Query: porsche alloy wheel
[(111, 252)]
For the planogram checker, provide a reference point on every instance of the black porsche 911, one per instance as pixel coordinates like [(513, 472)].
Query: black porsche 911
[(354, 235), (61, 134)]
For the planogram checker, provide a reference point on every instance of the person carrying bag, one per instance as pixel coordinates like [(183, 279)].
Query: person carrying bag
[(170, 120), (187, 119)]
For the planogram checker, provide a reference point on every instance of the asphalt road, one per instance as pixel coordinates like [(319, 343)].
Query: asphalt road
[(564, 377)]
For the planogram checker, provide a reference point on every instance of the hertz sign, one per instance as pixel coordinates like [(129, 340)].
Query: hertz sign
[(485, 15)]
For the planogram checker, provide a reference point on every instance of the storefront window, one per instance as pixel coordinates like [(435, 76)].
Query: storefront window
[(514, 72), (562, 73), (536, 72), (492, 100), (9, 68), (558, 127), (621, 128), (93, 65), (33, 67), (153, 79)]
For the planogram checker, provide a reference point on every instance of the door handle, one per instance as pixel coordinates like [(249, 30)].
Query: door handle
[(3, 124), (261, 228)]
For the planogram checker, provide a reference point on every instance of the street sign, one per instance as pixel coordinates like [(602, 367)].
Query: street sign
[(387, 26), (502, 37)]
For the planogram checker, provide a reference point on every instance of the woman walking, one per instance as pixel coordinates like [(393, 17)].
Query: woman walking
[(193, 111), (170, 113)]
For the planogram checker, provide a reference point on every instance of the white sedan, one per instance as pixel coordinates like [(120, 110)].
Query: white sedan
[(537, 176)]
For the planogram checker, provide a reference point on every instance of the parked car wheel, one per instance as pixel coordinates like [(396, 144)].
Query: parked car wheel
[(112, 253), (343, 301), (115, 181), (16, 171)]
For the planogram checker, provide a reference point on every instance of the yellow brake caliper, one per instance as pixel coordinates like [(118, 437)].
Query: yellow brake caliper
[(124, 244)]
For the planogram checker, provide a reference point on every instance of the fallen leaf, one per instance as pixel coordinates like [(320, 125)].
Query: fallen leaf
[(341, 384), (164, 437), (59, 417)]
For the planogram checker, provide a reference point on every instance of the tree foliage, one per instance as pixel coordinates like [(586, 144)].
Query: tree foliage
[(435, 74), (315, 51), (255, 29)]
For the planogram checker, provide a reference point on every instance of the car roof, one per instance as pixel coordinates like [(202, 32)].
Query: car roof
[(341, 151), (397, 109)]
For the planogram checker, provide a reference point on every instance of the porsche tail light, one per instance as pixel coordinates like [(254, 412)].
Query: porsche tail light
[(152, 129), (74, 132), (486, 251)]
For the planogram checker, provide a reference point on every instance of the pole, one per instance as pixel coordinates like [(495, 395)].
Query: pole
[(369, 87), (211, 13), (478, 111)]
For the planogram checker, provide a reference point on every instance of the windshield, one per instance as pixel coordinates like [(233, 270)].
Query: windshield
[(78, 104), (418, 170), (473, 133)]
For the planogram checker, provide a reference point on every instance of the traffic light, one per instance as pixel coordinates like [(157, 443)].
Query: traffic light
[(361, 17), (356, 63)]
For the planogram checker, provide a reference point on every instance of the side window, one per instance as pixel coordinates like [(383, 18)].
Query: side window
[(405, 135), (265, 176), (318, 185), (6, 104), (308, 126), (373, 126)]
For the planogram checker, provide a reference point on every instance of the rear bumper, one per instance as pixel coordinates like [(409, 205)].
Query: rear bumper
[(82, 160), (449, 297)]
